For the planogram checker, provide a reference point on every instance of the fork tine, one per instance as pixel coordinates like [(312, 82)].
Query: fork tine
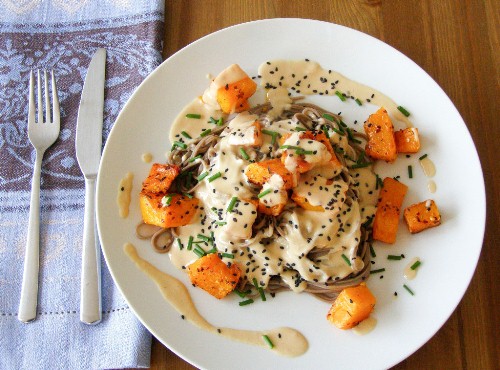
[(47, 101), (31, 106), (39, 98), (55, 101)]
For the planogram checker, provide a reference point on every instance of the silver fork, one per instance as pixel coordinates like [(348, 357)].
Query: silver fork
[(42, 134)]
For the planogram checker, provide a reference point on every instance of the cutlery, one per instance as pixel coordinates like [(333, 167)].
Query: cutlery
[(42, 134), (88, 154)]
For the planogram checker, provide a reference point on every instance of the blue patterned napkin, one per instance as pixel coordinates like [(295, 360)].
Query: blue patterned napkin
[(63, 35)]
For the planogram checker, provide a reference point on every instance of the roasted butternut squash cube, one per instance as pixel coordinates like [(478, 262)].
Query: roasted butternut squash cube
[(352, 306), (160, 178), (233, 97), (260, 172), (175, 209), (386, 221), (212, 275), (380, 131), (407, 140), (421, 216)]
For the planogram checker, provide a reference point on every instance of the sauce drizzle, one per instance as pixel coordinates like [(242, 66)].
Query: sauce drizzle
[(123, 197)]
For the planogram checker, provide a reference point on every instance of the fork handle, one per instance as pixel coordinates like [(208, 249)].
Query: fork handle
[(29, 290), (90, 294)]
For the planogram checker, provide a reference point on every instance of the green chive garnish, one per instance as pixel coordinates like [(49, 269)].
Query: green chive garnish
[(190, 243), (231, 204), (227, 255), (329, 117), (268, 341), (221, 223), (372, 251), (199, 252), (393, 257), (264, 193), (259, 289), (242, 294), (186, 135), (415, 265), (179, 244), (422, 157), (204, 238), (244, 154), (202, 176), (206, 132), (194, 158), (404, 111), (339, 94), (193, 115), (324, 128), (300, 128), (344, 257), (358, 102), (214, 177), (217, 122), (368, 222), (361, 165), (179, 144), (244, 303), (213, 250), (410, 171), (338, 131), (166, 200), (377, 271), (408, 289)]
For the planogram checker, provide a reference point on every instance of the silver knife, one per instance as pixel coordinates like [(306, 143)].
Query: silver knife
[(88, 154)]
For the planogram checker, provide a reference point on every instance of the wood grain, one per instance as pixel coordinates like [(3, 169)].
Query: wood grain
[(458, 44)]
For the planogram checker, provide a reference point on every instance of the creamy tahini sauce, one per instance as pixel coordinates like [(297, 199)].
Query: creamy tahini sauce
[(147, 157), (431, 186), (408, 273), (428, 167), (124, 195), (308, 77), (287, 341), (365, 326)]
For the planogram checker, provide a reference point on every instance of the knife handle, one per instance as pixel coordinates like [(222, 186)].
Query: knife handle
[(90, 294)]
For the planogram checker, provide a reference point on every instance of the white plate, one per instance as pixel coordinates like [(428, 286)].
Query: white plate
[(449, 253)]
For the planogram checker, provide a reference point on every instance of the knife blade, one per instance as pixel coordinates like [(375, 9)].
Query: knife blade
[(88, 153)]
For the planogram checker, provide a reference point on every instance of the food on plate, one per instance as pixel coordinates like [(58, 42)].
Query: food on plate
[(282, 195), (352, 306), (380, 132), (212, 275), (407, 140), (421, 216), (386, 222)]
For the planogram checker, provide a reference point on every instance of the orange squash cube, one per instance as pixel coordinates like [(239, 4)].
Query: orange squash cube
[(380, 131), (233, 97), (178, 212), (352, 306), (421, 216), (407, 140), (260, 172), (212, 275), (160, 178)]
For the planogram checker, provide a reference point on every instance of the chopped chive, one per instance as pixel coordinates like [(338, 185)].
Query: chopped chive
[(408, 289), (300, 128), (213, 250), (179, 144), (180, 244), (422, 157), (351, 136), (268, 341), (190, 196), (339, 94), (377, 271), (410, 171), (404, 111), (393, 257), (206, 132), (199, 252), (372, 251), (358, 102), (190, 243), (264, 193), (186, 135), (217, 122), (193, 115), (361, 165), (244, 303), (214, 177), (290, 147), (202, 176), (212, 238), (368, 222), (244, 154), (228, 255), (259, 289), (324, 128), (194, 158), (221, 223), (301, 151), (329, 117), (415, 265), (274, 134), (231, 204), (378, 182), (242, 294), (343, 124), (344, 257), (338, 131), (204, 238)]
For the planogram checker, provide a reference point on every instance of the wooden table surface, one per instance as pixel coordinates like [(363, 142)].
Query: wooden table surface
[(457, 43)]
